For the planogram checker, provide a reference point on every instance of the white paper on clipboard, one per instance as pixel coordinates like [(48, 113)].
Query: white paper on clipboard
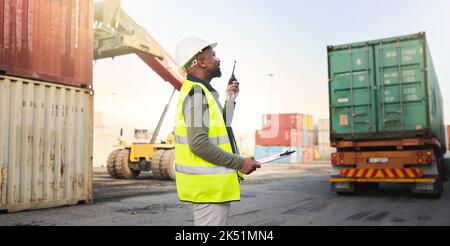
[(284, 154)]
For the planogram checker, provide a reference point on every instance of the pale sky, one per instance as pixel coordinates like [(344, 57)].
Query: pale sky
[(284, 38)]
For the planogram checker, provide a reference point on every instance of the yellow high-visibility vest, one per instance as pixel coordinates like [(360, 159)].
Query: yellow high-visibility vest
[(197, 180)]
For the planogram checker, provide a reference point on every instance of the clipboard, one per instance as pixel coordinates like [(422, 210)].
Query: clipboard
[(285, 153)]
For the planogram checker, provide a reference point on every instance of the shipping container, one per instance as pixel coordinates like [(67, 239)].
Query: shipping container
[(324, 137), (282, 121), (47, 40), (45, 144), (384, 89), (324, 125), (308, 122), (280, 137), (386, 116), (308, 154), (306, 138), (316, 134)]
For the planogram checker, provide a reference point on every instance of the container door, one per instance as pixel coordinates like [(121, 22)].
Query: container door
[(401, 85), (353, 107)]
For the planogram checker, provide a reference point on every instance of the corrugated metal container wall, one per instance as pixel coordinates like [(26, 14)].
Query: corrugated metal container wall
[(324, 125), (316, 135), (308, 122), (282, 121), (308, 154), (384, 89), (45, 144), (306, 138), (282, 137), (47, 40), (311, 138)]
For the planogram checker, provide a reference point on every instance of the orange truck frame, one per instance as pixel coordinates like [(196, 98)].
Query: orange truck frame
[(362, 165)]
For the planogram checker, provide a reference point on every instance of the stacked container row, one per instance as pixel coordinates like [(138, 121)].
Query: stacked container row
[(286, 130), (46, 103)]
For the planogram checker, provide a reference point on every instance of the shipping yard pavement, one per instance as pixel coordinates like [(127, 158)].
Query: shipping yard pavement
[(277, 195)]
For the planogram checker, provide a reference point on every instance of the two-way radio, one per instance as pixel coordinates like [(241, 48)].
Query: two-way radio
[(233, 78)]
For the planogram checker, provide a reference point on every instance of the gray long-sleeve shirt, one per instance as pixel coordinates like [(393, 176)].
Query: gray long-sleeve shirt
[(196, 114)]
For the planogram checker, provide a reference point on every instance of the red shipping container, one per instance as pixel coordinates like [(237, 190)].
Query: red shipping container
[(282, 121), (448, 137), (47, 40), (281, 137)]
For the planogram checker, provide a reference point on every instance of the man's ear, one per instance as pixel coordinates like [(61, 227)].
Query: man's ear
[(201, 61)]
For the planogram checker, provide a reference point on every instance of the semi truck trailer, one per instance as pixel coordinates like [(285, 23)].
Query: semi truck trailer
[(386, 116)]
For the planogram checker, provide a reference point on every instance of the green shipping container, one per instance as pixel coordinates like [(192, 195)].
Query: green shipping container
[(384, 89)]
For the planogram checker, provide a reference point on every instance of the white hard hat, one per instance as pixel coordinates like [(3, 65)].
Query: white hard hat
[(189, 48)]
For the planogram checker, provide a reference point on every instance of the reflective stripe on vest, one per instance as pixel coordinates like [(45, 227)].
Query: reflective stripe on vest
[(203, 170), (215, 140)]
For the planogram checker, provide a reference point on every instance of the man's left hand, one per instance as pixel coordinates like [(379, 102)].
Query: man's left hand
[(232, 91)]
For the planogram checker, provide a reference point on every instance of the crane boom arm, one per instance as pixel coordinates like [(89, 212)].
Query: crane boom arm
[(117, 34), (166, 67)]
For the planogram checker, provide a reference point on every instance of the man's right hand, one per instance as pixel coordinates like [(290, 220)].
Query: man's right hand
[(249, 166)]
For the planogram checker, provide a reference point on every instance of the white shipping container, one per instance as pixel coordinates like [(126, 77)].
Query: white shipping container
[(324, 125), (324, 137), (45, 144)]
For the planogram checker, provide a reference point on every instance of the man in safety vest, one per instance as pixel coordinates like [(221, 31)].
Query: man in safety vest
[(207, 162)]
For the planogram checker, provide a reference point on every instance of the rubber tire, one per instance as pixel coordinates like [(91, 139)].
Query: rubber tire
[(436, 194), (439, 187), (122, 167), (156, 164), (167, 165), (110, 164)]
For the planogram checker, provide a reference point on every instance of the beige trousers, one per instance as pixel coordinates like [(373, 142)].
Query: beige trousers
[(209, 214)]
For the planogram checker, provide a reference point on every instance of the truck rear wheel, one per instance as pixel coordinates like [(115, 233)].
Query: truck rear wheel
[(122, 167), (434, 191), (110, 163), (167, 165), (156, 164)]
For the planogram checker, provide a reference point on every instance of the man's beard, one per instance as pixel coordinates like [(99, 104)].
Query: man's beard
[(217, 73)]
